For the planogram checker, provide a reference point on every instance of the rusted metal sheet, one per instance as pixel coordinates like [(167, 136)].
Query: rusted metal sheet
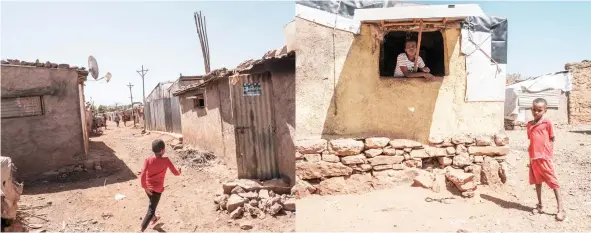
[(175, 109), (256, 154), (163, 115)]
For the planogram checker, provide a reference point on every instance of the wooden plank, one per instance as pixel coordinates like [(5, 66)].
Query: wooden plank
[(413, 23), (418, 46)]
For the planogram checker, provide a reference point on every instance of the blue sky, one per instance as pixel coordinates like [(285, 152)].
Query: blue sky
[(543, 36)]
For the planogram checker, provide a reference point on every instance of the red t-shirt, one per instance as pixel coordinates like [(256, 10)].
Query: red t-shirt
[(540, 145), (153, 173)]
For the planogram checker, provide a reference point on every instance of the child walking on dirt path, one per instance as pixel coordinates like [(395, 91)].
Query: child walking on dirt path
[(541, 145), (152, 178)]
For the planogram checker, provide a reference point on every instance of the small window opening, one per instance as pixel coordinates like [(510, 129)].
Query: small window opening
[(431, 51), (22, 107), (199, 102)]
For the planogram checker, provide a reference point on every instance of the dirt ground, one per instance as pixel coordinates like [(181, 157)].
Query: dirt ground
[(85, 201), (403, 208)]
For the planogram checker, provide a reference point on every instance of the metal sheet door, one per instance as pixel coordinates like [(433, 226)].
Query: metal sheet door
[(256, 154)]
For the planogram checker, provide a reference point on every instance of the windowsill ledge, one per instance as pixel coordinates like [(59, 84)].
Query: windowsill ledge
[(436, 78)]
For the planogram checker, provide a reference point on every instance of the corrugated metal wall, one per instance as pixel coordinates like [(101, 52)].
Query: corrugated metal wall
[(164, 115), (255, 127), (525, 99), (175, 108)]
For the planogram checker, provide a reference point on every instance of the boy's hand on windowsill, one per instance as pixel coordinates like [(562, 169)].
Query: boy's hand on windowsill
[(426, 69), (429, 77)]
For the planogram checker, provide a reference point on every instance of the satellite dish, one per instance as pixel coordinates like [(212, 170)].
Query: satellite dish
[(108, 76), (93, 67)]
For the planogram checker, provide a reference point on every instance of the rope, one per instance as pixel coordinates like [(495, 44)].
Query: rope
[(334, 58), (470, 27)]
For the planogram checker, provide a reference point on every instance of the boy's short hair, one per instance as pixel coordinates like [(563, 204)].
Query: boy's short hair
[(540, 101), (158, 145)]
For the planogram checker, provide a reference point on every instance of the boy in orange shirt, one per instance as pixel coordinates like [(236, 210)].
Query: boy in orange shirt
[(152, 179), (541, 146)]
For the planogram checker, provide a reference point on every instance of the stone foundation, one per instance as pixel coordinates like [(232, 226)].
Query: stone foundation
[(357, 165), (86, 166), (255, 199)]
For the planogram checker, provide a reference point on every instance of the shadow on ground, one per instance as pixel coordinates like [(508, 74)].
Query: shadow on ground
[(158, 227), (113, 170), (585, 132), (508, 204)]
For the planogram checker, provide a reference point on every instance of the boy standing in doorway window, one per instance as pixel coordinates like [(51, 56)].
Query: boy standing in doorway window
[(405, 63)]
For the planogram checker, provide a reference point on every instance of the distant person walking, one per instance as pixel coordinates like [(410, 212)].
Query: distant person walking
[(152, 179), (117, 119), (105, 120)]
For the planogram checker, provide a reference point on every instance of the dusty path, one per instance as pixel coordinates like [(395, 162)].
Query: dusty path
[(85, 201), (403, 208)]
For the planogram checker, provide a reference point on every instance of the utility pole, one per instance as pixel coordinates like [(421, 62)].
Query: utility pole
[(143, 73), (131, 96)]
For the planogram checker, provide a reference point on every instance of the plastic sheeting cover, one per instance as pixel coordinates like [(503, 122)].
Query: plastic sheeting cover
[(484, 44), (554, 81), (11, 191), (347, 8)]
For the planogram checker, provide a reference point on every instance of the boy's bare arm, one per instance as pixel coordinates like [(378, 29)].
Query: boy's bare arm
[(173, 168), (143, 175)]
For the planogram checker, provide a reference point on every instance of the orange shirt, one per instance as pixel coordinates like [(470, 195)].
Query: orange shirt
[(154, 171), (540, 145)]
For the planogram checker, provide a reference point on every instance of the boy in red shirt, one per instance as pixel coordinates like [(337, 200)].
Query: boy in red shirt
[(541, 146), (152, 179)]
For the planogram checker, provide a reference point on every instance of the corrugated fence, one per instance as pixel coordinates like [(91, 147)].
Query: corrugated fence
[(163, 115)]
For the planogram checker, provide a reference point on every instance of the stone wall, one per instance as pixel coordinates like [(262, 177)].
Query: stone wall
[(359, 165), (579, 102)]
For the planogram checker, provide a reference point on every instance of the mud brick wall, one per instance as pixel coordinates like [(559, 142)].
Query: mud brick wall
[(328, 167), (579, 102)]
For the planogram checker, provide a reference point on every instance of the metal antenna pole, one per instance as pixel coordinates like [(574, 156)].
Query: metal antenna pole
[(131, 96), (143, 73)]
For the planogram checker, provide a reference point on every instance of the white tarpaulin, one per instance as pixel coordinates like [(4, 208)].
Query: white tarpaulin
[(485, 77), (554, 81)]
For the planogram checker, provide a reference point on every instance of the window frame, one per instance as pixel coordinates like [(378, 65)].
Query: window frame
[(198, 100), (445, 54), (41, 106)]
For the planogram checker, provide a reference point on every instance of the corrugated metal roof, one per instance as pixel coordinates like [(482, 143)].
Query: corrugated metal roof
[(275, 54)]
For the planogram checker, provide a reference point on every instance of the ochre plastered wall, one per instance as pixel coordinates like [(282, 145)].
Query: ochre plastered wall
[(209, 129), (38, 144), (358, 103)]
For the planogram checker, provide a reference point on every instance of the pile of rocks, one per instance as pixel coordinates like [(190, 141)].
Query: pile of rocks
[(249, 198), (88, 165), (326, 167), (192, 157), (37, 63)]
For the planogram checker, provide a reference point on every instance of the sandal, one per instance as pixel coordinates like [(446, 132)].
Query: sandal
[(538, 209), (560, 216), (155, 219)]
